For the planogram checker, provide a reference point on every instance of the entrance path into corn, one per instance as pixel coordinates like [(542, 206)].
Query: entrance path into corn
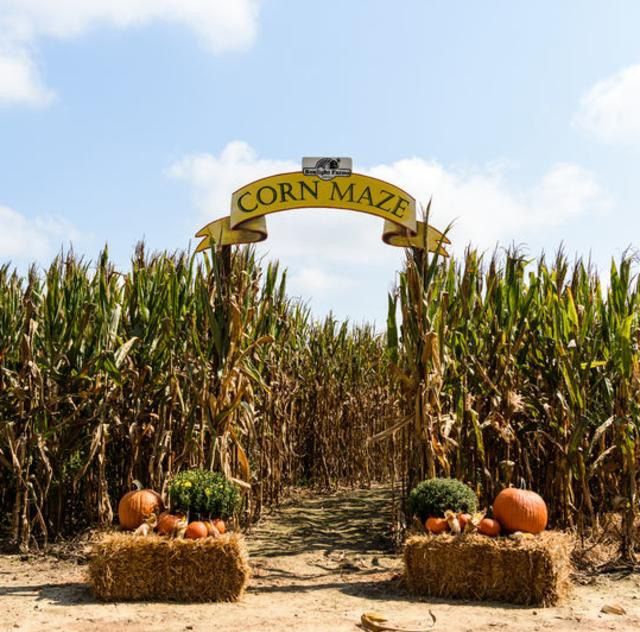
[(319, 563)]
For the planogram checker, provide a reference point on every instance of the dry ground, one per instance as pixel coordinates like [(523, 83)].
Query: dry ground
[(319, 564)]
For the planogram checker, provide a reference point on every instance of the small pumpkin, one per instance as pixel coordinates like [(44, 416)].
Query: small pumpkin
[(464, 519), (196, 530), (520, 510), (136, 506), (219, 525), (490, 527), (169, 523), (436, 525)]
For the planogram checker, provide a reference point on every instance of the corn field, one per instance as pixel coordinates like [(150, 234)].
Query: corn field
[(494, 371), (108, 377), (525, 373)]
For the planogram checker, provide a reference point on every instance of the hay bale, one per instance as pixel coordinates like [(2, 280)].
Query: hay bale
[(532, 571), (131, 567)]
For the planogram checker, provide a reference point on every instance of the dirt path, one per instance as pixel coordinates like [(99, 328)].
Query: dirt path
[(319, 564)]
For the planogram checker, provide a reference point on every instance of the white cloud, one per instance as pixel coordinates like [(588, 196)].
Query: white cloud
[(215, 178), (221, 25), (37, 239), (19, 82), (610, 110), (485, 207)]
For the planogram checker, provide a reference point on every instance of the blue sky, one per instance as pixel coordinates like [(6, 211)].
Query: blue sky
[(128, 119)]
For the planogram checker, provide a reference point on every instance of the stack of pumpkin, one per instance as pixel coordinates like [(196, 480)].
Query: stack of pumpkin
[(450, 506), (515, 512), (143, 512)]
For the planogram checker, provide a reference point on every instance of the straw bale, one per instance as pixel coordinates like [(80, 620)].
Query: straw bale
[(532, 571), (132, 567)]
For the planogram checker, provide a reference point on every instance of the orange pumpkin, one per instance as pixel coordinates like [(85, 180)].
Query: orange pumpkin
[(489, 527), (168, 523), (220, 525), (520, 510), (136, 506), (436, 525), (464, 519), (196, 530)]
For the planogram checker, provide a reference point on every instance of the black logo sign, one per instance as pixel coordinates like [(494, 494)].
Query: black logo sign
[(326, 168)]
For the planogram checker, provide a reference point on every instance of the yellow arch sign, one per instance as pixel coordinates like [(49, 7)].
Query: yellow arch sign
[(289, 191)]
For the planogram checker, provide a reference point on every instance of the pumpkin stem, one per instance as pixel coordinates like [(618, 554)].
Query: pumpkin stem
[(137, 484)]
